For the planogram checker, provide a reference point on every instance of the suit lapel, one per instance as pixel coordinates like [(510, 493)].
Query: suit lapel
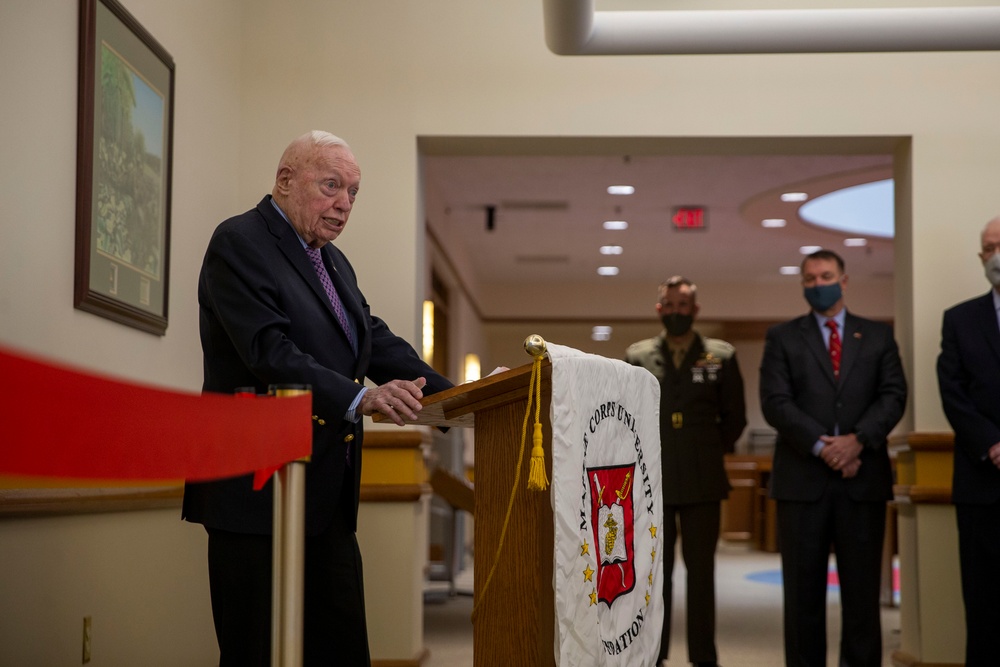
[(850, 344), (694, 352), (668, 368), (988, 322), (813, 338), (291, 247)]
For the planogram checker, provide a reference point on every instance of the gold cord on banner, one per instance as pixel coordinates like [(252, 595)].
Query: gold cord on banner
[(537, 479)]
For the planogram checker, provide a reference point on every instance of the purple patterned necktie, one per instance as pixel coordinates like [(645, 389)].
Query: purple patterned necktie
[(338, 307)]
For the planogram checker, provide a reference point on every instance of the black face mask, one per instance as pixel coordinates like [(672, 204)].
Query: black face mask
[(677, 324)]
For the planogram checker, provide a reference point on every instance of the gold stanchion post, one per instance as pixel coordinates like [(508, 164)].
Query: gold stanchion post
[(288, 562)]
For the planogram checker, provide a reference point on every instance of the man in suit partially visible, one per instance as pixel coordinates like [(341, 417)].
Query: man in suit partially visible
[(832, 385), (968, 371), (279, 304)]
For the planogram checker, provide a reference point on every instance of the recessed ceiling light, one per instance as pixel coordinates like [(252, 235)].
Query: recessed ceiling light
[(773, 223), (600, 333), (790, 270), (794, 196), (810, 249), (620, 189), (611, 250), (607, 270), (615, 225), (855, 243)]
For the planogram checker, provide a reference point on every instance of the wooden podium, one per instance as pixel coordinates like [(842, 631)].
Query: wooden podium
[(514, 623)]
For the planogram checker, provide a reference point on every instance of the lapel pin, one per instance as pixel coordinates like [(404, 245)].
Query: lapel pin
[(857, 334)]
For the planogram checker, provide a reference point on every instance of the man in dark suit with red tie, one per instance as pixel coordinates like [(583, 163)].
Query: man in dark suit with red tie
[(832, 385), (969, 379), (279, 304)]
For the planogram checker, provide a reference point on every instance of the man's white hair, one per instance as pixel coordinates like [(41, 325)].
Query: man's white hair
[(322, 138), (302, 146), (988, 225)]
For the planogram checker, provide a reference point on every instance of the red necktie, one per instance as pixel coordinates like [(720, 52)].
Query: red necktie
[(835, 347)]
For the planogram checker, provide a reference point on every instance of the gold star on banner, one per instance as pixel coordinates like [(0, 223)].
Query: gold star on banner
[(584, 549), (593, 598), (647, 599), (650, 578), (652, 531), (652, 554), (587, 574)]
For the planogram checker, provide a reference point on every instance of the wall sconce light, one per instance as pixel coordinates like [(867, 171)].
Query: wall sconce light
[(472, 369), (428, 337)]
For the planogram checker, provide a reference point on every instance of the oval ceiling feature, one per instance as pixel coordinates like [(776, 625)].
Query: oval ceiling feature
[(859, 210)]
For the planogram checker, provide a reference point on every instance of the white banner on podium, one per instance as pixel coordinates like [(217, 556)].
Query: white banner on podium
[(606, 501)]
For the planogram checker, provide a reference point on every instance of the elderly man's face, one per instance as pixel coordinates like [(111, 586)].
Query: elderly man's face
[(990, 241), (319, 193)]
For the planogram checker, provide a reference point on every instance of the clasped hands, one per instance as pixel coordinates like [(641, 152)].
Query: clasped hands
[(842, 452), (399, 400), (994, 454)]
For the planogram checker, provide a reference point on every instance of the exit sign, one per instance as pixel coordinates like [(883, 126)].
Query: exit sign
[(689, 217)]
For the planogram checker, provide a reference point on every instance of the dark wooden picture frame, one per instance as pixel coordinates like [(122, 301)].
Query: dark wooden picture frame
[(124, 164)]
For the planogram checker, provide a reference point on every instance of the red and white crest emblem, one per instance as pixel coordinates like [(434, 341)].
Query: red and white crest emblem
[(612, 520)]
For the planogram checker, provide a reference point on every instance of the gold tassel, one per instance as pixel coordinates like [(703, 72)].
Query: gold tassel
[(537, 478)]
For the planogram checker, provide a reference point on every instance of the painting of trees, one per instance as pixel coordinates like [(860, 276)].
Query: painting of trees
[(128, 179)]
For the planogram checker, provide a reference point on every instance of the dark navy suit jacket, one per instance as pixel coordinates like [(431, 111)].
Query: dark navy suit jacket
[(968, 371), (265, 319)]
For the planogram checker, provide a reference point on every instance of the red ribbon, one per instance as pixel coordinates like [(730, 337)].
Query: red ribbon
[(59, 422)]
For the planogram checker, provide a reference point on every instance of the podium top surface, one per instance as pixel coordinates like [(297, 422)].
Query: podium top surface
[(457, 406)]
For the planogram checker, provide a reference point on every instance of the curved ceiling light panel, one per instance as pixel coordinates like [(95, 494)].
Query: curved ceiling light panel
[(573, 27), (864, 210)]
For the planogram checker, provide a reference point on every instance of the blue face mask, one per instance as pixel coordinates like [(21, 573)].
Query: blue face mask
[(822, 297)]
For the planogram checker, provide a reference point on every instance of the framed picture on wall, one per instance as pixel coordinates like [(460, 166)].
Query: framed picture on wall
[(124, 147)]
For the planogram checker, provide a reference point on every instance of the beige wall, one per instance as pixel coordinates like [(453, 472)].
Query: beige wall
[(141, 577), (253, 74), (38, 42)]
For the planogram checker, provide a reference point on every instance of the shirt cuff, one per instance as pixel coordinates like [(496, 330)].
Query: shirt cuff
[(818, 447), (351, 415)]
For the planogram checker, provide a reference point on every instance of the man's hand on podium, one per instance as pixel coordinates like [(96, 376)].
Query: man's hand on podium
[(398, 400)]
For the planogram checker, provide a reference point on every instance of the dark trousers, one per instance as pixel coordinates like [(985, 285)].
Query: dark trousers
[(698, 525), (979, 556), (806, 530), (239, 568)]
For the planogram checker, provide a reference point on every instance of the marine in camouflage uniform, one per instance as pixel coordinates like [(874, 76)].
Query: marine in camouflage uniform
[(702, 415)]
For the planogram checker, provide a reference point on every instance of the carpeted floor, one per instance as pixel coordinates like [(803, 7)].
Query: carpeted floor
[(748, 608)]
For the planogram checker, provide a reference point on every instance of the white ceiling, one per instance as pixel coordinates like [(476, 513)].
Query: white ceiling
[(550, 198)]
